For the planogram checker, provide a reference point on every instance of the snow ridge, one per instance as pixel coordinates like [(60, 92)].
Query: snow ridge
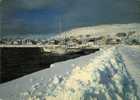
[(104, 78)]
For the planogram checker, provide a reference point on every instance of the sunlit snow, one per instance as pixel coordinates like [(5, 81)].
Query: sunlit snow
[(104, 78)]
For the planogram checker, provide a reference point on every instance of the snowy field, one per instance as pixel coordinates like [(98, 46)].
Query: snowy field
[(110, 74)]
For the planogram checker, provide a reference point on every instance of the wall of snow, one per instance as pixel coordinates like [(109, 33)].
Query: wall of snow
[(104, 78)]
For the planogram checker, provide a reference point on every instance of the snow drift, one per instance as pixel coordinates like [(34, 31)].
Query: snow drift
[(104, 78)]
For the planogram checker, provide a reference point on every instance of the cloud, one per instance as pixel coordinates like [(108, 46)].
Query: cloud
[(34, 4), (74, 13), (1, 1), (93, 12), (26, 4)]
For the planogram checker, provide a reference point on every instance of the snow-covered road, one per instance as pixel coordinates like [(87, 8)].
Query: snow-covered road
[(131, 56)]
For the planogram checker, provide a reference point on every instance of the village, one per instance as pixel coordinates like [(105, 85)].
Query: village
[(130, 38)]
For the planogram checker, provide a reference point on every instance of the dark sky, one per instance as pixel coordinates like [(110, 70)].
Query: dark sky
[(45, 16)]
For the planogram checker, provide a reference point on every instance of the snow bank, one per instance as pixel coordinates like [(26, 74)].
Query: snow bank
[(104, 78)]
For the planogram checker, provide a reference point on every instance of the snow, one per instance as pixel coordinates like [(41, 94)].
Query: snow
[(104, 75), (13, 89), (105, 78), (100, 30), (110, 74), (132, 61)]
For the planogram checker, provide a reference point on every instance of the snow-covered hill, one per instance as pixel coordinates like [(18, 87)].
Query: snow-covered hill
[(101, 30), (103, 76)]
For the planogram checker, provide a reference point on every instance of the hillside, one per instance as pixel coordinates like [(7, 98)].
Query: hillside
[(101, 30)]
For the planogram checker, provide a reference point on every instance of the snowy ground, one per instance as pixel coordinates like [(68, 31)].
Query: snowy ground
[(104, 78), (131, 57), (107, 74)]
